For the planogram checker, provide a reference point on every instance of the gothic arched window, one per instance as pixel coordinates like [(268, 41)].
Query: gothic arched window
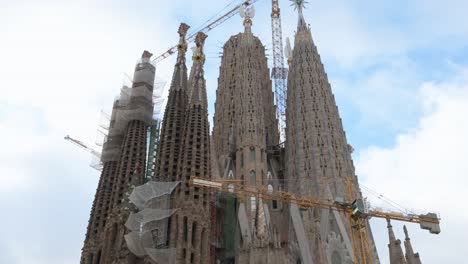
[(252, 154), (253, 178)]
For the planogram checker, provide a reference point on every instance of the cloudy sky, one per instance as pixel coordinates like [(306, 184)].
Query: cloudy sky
[(399, 70)]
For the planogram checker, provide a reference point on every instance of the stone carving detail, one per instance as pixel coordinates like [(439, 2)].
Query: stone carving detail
[(336, 250)]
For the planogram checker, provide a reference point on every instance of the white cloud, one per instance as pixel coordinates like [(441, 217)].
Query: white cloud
[(426, 169)]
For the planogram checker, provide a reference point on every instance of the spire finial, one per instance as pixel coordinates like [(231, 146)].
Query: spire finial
[(406, 232), (182, 46), (299, 5), (247, 11), (391, 235), (197, 93), (198, 55)]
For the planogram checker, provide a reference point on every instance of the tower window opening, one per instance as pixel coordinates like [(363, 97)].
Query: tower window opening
[(194, 233), (274, 204), (252, 154), (253, 178), (185, 229)]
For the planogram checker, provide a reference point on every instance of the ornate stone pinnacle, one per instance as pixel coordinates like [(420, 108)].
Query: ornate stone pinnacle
[(299, 4), (198, 54), (200, 39), (183, 28), (182, 47), (247, 12), (406, 232)]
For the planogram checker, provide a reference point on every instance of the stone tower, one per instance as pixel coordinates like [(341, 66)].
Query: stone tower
[(92, 249), (174, 117), (318, 158), (190, 228), (394, 246), (245, 126), (411, 257), (124, 158)]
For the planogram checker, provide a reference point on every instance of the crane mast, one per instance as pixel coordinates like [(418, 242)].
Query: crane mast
[(279, 72)]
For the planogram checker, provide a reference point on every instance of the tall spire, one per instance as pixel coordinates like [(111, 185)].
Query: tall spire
[(194, 160), (316, 148), (394, 246), (411, 257), (179, 77), (174, 116), (197, 85)]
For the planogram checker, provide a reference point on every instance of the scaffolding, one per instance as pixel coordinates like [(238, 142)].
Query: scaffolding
[(152, 149), (227, 203)]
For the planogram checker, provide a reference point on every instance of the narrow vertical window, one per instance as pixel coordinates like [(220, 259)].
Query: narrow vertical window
[(194, 233), (185, 229), (203, 242), (176, 237), (242, 159), (252, 154), (98, 257), (253, 178)]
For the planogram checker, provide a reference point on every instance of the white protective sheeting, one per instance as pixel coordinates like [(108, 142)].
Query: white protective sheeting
[(134, 244), (149, 226), (137, 222), (151, 190), (162, 255)]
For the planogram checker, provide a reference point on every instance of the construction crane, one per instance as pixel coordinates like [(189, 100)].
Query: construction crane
[(83, 146), (96, 161), (357, 212), (279, 73), (205, 29)]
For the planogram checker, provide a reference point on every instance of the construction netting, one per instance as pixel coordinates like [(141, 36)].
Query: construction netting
[(229, 222), (162, 255), (149, 226), (149, 194), (132, 104), (153, 142)]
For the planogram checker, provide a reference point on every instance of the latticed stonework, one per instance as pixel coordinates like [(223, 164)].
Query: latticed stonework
[(190, 225), (396, 252), (99, 212), (124, 158), (130, 172), (244, 119), (245, 126), (174, 117), (318, 158), (394, 246)]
